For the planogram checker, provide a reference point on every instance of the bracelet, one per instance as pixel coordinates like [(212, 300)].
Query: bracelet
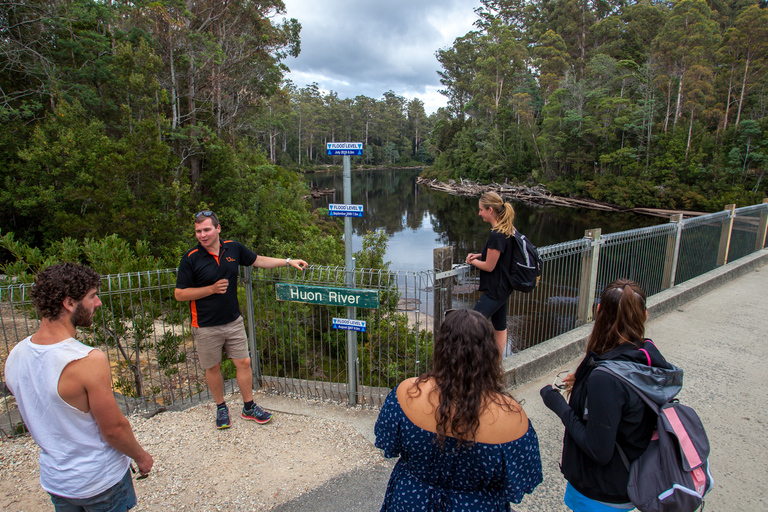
[(287, 261)]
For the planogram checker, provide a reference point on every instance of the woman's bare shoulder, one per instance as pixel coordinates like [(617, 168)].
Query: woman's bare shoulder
[(418, 402), (503, 421)]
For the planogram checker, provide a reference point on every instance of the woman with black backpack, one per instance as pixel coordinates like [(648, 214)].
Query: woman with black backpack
[(496, 256), (604, 416)]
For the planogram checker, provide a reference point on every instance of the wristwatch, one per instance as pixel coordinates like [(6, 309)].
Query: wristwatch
[(287, 261)]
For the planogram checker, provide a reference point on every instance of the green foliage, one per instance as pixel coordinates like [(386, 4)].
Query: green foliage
[(633, 104), (108, 255)]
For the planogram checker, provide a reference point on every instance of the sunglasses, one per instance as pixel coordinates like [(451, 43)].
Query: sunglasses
[(205, 213), (140, 477), (559, 377), (449, 312)]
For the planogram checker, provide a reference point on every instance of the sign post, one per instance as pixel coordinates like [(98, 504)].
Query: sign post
[(346, 149)]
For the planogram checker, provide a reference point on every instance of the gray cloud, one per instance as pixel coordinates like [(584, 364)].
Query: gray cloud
[(370, 47)]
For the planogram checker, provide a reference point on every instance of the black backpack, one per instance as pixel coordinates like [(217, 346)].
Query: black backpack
[(525, 269), (672, 475)]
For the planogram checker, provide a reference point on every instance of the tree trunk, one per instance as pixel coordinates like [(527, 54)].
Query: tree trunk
[(728, 102), (690, 132), (194, 161), (743, 90), (679, 107), (174, 96), (299, 138)]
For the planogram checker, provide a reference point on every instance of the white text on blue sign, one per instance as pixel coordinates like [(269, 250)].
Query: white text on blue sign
[(345, 210), (344, 148), (349, 325)]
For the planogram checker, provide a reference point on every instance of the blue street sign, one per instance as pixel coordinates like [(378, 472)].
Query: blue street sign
[(345, 210), (348, 325), (344, 148)]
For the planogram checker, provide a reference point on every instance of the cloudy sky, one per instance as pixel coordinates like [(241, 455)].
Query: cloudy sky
[(369, 47)]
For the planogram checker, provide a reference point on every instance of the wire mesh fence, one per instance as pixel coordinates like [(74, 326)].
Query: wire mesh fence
[(296, 348), (699, 242)]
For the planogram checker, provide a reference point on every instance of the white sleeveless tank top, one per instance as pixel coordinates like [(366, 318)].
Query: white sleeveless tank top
[(75, 460)]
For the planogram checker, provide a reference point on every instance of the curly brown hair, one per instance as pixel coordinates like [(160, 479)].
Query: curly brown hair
[(57, 282), (467, 375), (620, 317)]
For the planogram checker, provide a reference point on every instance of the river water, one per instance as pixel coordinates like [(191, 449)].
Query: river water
[(419, 220)]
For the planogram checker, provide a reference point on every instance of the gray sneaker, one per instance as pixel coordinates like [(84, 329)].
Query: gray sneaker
[(257, 414)]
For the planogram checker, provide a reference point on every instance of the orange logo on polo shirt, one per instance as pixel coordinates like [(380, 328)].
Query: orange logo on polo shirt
[(230, 259)]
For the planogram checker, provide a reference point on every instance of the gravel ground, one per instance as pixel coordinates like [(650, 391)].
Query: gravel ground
[(199, 468)]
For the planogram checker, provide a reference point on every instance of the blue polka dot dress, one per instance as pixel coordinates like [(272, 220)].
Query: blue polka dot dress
[(478, 478)]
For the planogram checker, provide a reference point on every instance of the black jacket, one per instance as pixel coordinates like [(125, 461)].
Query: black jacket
[(604, 411)]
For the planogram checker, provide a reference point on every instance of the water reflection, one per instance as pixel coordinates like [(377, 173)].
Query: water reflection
[(419, 220)]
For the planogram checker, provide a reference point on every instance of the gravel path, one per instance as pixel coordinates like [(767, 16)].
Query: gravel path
[(199, 468)]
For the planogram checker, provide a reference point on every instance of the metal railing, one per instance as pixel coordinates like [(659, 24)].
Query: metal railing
[(146, 333)]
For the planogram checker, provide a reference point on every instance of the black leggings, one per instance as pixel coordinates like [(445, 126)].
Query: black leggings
[(496, 310)]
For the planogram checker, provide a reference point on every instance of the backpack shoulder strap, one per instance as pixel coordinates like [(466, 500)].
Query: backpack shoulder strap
[(650, 403)]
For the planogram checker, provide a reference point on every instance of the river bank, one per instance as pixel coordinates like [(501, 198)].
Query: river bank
[(538, 195)]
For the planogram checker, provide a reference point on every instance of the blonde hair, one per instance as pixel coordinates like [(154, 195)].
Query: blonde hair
[(505, 214)]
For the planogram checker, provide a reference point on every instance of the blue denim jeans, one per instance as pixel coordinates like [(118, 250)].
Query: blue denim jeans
[(118, 498)]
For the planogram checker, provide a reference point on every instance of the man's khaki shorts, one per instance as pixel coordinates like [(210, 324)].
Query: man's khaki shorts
[(210, 340)]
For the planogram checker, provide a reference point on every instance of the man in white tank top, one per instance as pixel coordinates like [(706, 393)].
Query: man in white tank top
[(64, 392)]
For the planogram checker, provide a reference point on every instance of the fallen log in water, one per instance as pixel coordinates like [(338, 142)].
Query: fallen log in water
[(318, 192), (538, 195)]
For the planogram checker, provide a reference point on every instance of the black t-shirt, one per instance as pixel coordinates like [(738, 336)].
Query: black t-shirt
[(200, 268), (495, 283)]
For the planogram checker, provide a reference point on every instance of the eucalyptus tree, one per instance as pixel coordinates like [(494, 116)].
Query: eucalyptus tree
[(689, 38), (417, 124), (458, 72), (752, 38), (308, 108)]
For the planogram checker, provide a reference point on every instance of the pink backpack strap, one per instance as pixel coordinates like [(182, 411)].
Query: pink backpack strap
[(647, 355)]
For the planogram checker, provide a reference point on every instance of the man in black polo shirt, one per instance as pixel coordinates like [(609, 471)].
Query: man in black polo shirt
[(207, 277)]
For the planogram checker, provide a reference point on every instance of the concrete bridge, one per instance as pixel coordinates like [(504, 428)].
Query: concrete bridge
[(713, 327)]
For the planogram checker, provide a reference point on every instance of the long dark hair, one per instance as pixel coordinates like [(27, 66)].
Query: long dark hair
[(620, 317), (467, 375)]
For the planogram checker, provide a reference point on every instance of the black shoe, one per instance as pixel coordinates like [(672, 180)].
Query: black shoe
[(222, 417)]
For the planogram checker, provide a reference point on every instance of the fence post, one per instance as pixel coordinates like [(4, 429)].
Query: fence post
[(760, 242), (352, 362), (673, 251), (725, 235), (588, 280), (442, 259), (255, 362)]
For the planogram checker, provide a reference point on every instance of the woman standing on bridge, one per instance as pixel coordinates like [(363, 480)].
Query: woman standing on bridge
[(495, 257), (616, 416), (463, 442)]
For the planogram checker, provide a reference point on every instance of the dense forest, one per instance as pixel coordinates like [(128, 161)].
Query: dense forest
[(127, 117), (637, 103)]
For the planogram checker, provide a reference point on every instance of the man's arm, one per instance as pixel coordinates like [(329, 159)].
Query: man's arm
[(185, 294), (94, 374), (267, 262)]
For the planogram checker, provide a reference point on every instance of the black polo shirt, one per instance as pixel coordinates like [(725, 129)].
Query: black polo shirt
[(200, 268)]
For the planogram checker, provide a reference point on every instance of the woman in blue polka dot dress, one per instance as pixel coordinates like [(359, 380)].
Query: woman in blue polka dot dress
[(464, 443)]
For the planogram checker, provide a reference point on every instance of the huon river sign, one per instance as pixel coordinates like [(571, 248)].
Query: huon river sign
[(327, 296)]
